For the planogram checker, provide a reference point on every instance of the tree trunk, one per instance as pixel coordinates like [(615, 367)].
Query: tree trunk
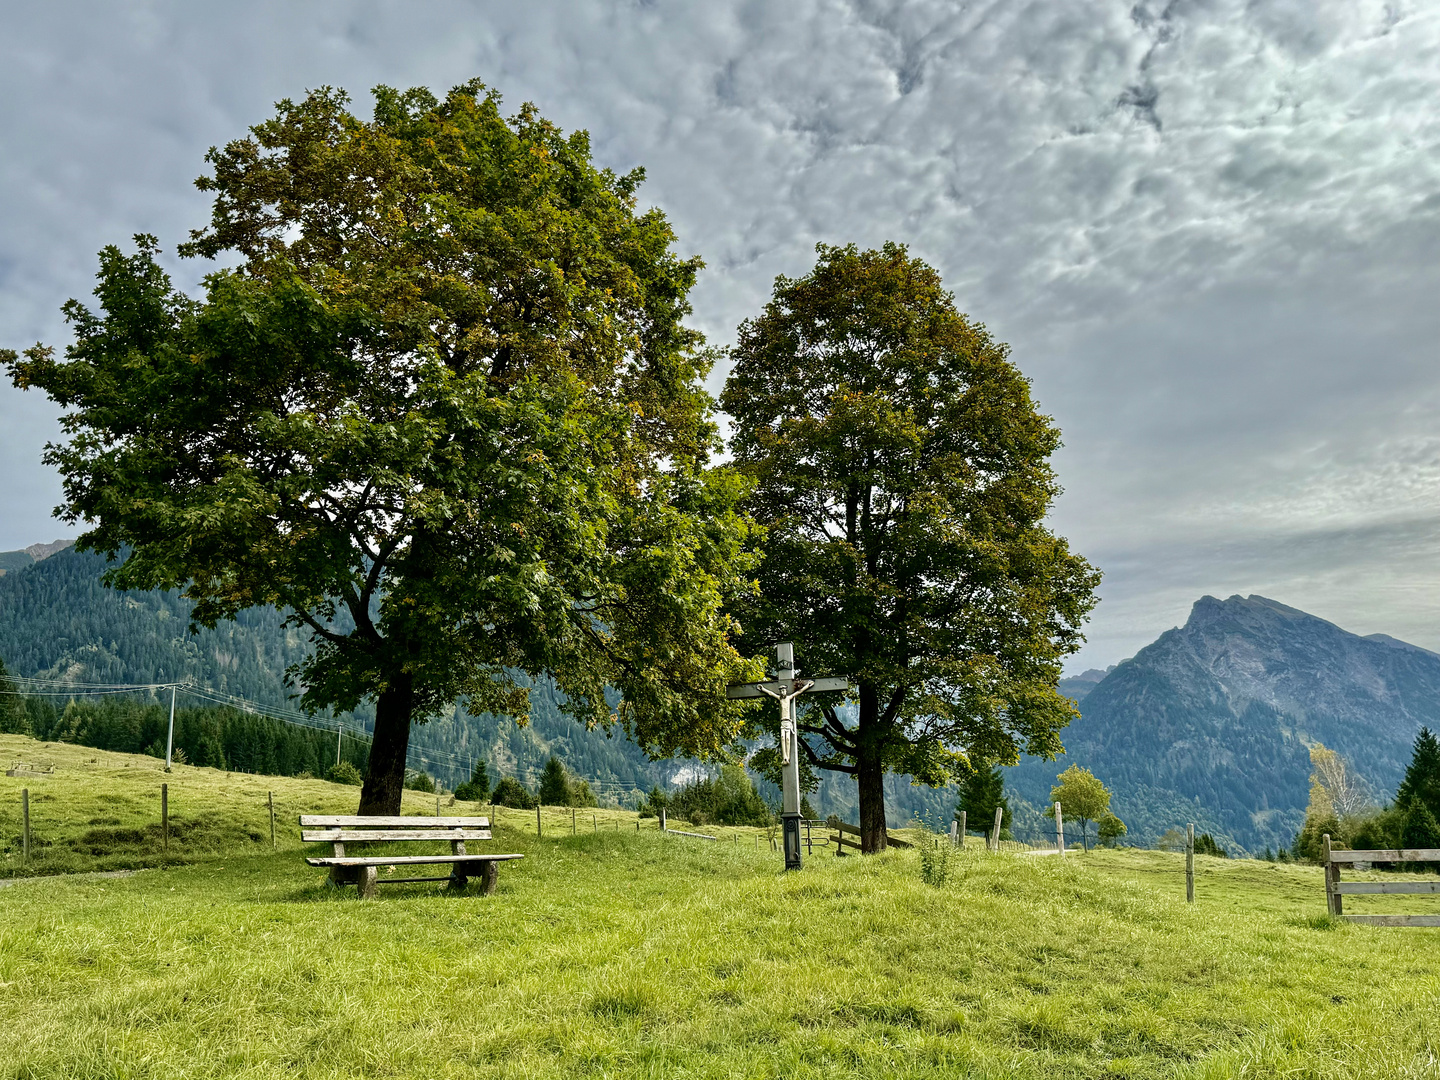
[(385, 778), (870, 776)]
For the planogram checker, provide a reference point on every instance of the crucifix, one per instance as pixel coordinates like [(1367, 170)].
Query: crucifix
[(785, 688)]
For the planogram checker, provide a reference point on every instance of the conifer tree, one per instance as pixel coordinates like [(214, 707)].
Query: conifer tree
[(554, 784), (1422, 777), (14, 717), (477, 788), (981, 793)]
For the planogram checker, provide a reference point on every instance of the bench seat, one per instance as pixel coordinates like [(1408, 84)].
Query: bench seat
[(406, 860), (360, 869)]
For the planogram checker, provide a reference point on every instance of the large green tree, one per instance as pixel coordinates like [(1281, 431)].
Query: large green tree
[(443, 410), (903, 474)]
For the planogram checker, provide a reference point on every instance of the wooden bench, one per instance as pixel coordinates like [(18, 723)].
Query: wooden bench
[(361, 869)]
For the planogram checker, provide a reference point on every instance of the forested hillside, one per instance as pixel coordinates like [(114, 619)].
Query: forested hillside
[(1212, 722), (57, 620)]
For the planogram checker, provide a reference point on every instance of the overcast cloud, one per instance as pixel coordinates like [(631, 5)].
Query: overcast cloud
[(1209, 230)]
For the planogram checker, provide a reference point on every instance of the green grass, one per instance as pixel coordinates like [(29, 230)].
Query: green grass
[(631, 954)]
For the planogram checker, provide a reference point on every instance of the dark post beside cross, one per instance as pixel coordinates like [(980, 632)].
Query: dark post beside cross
[(785, 688)]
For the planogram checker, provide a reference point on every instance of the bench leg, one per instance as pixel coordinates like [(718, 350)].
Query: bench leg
[(366, 882), (343, 875), (489, 872)]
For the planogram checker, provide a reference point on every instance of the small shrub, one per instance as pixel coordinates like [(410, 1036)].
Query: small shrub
[(477, 788), (1205, 845), (727, 799), (419, 781), (935, 864), (510, 792), (344, 773)]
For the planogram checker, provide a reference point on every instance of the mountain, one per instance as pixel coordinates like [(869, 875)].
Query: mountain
[(1079, 686), (19, 560), (1213, 721)]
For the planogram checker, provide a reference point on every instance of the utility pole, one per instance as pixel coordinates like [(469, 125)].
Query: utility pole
[(785, 688), (170, 738), (339, 733)]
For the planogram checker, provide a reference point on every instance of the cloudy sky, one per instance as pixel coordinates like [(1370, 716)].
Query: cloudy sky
[(1209, 230)]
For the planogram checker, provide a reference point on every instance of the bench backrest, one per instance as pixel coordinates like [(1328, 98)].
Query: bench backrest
[(316, 828)]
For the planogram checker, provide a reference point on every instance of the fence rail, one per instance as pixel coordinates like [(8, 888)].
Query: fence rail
[(1336, 890)]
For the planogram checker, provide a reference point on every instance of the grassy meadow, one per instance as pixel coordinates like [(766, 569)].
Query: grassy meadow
[(617, 953)]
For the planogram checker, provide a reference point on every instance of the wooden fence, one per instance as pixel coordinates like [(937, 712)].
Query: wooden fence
[(842, 830), (1336, 890)]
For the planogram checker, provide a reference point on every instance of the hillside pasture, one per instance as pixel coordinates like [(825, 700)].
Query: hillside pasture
[(630, 954)]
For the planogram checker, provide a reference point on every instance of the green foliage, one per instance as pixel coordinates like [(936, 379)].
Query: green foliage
[(477, 788), (983, 791), (1421, 782), (416, 780), (935, 862), (559, 788), (344, 773), (654, 802), (1420, 829), (510, 792), (1111, 829), (14, 716), (1309, 845), (1082, 797), (902, 472), (1205, 845), (466, 346), (216, 737), (554, 784), (728, 799)]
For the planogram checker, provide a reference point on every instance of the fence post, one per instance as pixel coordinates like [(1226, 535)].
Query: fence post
[(962, 828), (999, 816), (165, 815), (1059, 830), (270, 795), (1332, 882), (1190, 863), (537, 820), (594, 823), (25, 812), (572, 821), (954, 827), (662, 819)]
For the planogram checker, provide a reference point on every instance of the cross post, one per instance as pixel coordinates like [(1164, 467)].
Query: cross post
[(786, 687)]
